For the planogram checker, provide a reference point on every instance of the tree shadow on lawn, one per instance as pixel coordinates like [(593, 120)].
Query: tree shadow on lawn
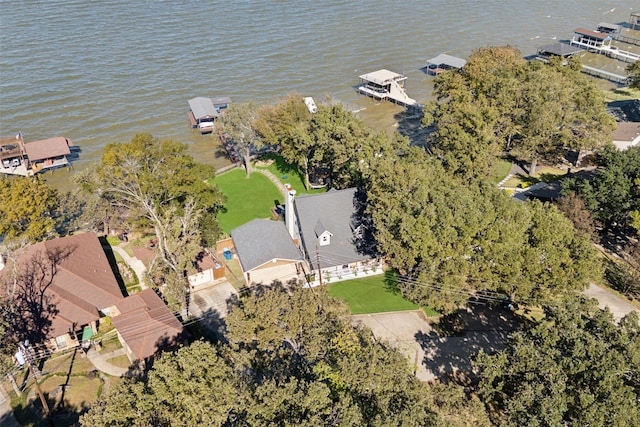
[(281, 164), (391, 282)]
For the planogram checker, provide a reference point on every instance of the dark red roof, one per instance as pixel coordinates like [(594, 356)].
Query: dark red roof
[(591, 33)]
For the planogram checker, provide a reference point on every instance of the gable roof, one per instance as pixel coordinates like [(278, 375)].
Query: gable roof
[(261, 241), (82, 281), (146, 324), (47, 148), (559, 49), (335, 211), (202, 108)]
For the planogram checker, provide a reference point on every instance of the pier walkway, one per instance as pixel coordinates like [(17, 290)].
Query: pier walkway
[(617, 78)]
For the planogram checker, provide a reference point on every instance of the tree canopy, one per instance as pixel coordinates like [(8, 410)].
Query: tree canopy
[(613, 194), (450, 239), (576, 367), (160, 186), (239, 126), (499, 101), (28, 209), (293, 359)]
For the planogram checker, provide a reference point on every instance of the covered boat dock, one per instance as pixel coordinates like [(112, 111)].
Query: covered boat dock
[(48, 153), (444, 62), (202, 114), (386, 85)]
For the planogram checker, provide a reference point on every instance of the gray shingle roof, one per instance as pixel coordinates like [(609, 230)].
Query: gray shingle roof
[(335, 211), (261, 241), (202, 108)]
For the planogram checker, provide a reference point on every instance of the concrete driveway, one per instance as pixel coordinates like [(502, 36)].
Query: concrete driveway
[(436, 357), (211, 304), (617, 305)]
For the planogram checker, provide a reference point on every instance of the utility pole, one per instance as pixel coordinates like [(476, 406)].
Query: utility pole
[(28, 359), (318, 261)]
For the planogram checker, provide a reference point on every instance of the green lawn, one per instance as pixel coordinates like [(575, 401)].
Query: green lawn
[(287, 174), (373, 294), (247, 198), (500, 170), (543, 173)]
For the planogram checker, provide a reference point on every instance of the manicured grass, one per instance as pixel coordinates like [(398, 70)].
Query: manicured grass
[(543, 173), (499, 170), (247, 198), (621, 94), (282, 169), (373, 294)]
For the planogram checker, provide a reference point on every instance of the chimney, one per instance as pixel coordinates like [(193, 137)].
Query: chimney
[(289, 213)]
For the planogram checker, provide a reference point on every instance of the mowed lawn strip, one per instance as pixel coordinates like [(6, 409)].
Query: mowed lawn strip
[(281, 168), (247, 198), (370, 295)]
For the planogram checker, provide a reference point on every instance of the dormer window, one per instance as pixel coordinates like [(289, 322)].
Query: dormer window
[(324, 239)]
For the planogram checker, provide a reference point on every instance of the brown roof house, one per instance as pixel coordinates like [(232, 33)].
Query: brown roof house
[(62, 288), (266, 252), (145, 325)]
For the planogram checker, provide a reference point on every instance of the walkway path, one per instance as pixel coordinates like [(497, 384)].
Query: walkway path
[(136, 265), (273, 179), (101, 362)]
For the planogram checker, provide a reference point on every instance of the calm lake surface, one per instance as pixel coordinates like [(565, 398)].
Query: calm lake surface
[(102, 71)]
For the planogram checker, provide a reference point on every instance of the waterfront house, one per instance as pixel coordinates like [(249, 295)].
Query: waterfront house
[(145, 325), (266, 252), (332, 237), (71, 285)]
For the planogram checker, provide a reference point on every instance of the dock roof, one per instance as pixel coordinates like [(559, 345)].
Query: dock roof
[(608, 28), (592, 34), (382, 77), (202, 108), (559, 49), (449, 60), (47, 148), (221, 101)]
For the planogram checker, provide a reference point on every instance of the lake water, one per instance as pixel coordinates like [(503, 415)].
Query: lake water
[(102, 71)]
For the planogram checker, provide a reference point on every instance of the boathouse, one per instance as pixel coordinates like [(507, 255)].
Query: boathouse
[(386, 85), (589, 38), (444, 62), (48, 153), (634, 20), (557, 49), (12, 155), (221, 102), (606, 28), (202, 114)]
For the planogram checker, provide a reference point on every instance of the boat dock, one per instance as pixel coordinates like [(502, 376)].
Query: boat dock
[(444, 62), (385, 85), (604, 74), (27, 159), (595, 41)]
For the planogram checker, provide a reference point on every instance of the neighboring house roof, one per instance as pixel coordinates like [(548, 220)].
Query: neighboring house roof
[(146, 324), (82, 281), (202, 108), (261, 241), (47, 148), (627, 134), (335, 210), (625, 111)]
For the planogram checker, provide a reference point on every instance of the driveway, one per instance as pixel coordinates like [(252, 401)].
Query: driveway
[(435, 356), (617, 305), (211, 304)]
